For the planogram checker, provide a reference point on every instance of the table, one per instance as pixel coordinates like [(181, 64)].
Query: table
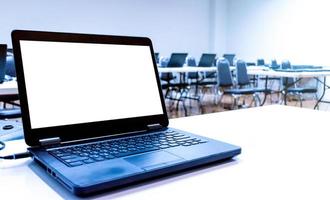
[(8, 87), (187, 69), (300, 74), (9, 92), (285, 155)]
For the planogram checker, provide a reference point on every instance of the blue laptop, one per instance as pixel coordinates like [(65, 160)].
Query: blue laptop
[(95, 120)]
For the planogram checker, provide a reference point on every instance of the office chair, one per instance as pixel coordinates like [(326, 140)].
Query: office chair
[(157, 57), (191, 62), (3, 55), (243, 80), (227, 86), (290, 86), (10, 66), (260, 62), (273, 64)]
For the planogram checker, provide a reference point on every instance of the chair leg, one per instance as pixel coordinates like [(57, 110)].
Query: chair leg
[(221, 97), (235, 105), (300, 100)]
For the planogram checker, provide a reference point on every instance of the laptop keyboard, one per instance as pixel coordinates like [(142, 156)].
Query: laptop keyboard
[(105, 150)]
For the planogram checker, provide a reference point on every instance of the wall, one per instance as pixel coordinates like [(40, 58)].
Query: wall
[(297, 30), (174, 26)]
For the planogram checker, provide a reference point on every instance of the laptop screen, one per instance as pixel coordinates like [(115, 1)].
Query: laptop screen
[(71, 82)]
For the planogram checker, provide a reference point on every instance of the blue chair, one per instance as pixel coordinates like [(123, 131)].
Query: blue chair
[(243, 80), (260, 62), (191, 62), (10, 66), (227, 86), (5, 63), (274, 65), (290, 86)]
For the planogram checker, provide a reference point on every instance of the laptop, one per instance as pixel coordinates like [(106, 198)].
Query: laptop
[(95, 120), (177, 60), (207, 60)]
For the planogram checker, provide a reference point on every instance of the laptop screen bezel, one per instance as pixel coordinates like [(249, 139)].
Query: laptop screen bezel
[(82, 130)]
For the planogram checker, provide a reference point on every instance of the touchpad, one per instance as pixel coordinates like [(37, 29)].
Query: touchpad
[(152, 160)]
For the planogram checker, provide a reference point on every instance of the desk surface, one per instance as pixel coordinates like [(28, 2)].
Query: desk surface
[(204, 69), (298, 74), (285, 155), (8, 87)]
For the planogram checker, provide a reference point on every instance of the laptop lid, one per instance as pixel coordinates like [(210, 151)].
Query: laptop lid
[(78, 86), (207, 60), (177, 60)]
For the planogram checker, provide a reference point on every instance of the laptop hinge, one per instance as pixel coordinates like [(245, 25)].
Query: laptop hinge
[(50, 141), (154, 126)]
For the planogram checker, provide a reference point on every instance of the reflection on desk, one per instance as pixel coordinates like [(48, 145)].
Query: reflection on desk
[(280, 160)]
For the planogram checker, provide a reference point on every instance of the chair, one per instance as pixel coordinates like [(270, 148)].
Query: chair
[(274, 65), (230, 58), (260, 62), (191, 62), (10, 66), (227, 86), (157, 58), (3, 55), (290, 86), (243, 79)]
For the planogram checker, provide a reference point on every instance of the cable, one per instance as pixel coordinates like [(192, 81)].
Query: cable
[(16, 156), (13, 156)]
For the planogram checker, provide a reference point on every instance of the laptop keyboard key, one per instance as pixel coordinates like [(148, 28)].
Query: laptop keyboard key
[(115, 148), (75, 164)]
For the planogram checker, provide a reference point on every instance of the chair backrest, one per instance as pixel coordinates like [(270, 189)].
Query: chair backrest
[(224, 74), (250, 64), (273, 64), (3, 55), (286, 65), (207, 60), (287, 82), (230, 57), (260, 62), (157, 57), (191, 62), (241, 73), (177, 60), (10, 66), (166, 76)]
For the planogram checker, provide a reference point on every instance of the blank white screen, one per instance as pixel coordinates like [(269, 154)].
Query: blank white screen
[(70, 83)]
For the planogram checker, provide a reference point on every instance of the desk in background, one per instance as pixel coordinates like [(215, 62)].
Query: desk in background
[(9, 93), (285, 155), (317, 74)]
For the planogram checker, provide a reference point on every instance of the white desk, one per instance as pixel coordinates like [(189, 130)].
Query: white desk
[(305, 74), (310, 74), (285, 155), (8, 88), (204, 69)]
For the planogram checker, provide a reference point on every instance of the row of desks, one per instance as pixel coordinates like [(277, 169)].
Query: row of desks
[(262, 71)]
